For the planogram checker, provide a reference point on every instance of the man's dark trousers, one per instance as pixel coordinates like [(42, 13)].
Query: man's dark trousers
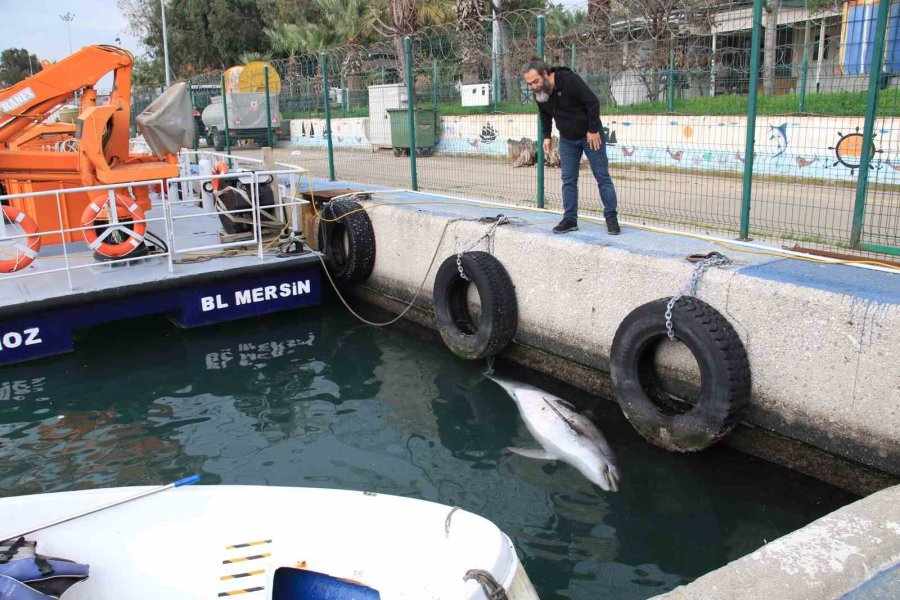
[(570, 152)]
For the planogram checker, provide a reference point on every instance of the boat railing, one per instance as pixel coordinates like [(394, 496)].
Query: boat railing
[(167, 199)]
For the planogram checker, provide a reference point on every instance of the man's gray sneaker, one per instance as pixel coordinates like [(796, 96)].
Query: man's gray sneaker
[(565, 226), (612, 225)]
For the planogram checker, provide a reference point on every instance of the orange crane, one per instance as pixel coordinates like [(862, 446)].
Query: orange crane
[(37, 156)]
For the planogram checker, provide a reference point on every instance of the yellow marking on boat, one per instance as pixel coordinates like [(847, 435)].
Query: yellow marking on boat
[(248, 544), (239, 592), (238, 575), (244, 558)]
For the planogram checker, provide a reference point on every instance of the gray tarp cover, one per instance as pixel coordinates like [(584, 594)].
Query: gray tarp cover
[(168, 123)]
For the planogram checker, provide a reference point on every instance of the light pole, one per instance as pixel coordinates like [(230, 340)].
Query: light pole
[(68, 18), (162, 5)]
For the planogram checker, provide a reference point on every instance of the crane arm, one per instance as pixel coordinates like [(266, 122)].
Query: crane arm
[(32, 100)]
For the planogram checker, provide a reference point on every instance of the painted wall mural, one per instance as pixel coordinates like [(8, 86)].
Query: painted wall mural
[(828, 148)]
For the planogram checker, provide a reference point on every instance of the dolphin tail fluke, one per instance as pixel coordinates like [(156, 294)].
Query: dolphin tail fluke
[(535, 453)]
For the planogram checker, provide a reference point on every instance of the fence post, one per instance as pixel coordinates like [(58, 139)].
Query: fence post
[(572, 61), (225, 111), (804, 69), (196, 145), (343, 95), (411, 111), (495, 62), (434, 81), (540, 131), (865, 159), (328, 117), (670, 96), (751, 119), (382, 75), (268, 110)]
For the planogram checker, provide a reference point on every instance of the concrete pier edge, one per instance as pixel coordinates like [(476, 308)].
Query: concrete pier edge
[(819, 337)]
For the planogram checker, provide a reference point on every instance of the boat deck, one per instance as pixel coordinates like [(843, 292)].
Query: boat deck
[(46, 282)]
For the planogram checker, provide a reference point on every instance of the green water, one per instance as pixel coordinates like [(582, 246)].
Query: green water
[(311, 398)]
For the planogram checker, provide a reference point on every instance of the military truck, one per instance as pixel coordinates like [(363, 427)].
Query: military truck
[(245, 89)]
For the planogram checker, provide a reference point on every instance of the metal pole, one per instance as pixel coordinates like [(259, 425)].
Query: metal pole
[(68, 18), (875, 69), (162, 5), (268, 110), (328, 117), (495, 62), (411, 112), (435, 84), (712, 66), (343, 95), (83, 513), (382, 75), (540, 130), (227, 135), (670, 96), (820, 56), (751, 119), (572, 60), (805, 68), (193, 108)]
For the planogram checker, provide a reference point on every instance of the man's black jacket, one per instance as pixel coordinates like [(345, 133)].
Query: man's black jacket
[(574, 106)]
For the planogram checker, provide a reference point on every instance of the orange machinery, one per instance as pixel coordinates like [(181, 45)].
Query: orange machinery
[(38, 156)]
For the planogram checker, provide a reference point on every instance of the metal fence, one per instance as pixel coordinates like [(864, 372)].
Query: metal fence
[(719, 117)]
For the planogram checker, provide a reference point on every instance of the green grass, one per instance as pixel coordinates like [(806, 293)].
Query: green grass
[(837, 104)]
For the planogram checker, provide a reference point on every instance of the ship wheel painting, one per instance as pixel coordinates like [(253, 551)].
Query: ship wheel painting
[(848, 150)]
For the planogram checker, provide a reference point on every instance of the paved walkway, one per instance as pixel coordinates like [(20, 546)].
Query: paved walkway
[(788, 212)]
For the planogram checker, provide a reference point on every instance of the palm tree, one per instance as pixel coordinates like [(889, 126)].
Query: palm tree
[(285, 39), (353, 21), (469, 21), (248, 57), (400, 18)]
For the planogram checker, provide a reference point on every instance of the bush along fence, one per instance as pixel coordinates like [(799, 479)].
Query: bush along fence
[(727, 118)]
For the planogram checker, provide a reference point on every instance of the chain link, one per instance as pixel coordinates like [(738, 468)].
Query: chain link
[(691, 288), (501, 220)]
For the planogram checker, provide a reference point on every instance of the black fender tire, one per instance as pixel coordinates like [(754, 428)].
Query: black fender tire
[(499, 309), (347, 239), (724, 372)]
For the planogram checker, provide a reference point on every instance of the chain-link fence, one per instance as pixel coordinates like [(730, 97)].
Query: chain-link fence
[(678, 83)]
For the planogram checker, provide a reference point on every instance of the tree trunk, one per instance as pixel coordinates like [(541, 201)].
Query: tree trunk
[(401, 57), (772, 8), (510, 72)]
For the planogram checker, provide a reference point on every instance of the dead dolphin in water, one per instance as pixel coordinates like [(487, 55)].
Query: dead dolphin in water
[(563, 433)]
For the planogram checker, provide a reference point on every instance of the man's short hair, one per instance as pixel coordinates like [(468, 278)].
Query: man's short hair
[(536, 64)]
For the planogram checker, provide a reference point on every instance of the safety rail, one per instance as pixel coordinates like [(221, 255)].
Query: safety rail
[(186, 190)]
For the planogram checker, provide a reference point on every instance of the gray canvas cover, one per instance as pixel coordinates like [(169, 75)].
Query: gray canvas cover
[(247, 110), (168, 123)]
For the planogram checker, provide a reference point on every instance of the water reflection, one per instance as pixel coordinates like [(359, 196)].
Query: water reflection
[(313, 399)]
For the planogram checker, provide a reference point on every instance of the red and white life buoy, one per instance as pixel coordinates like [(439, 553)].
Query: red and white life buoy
[(25, 253), (135, 227)]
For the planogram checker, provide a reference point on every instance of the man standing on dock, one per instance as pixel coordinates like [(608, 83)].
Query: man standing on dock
[(562, 95)]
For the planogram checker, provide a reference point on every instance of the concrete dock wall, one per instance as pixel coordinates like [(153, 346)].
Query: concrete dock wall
[(852, 553), (822, 340)]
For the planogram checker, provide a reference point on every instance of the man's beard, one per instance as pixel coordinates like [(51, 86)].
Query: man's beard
[(543, 94)]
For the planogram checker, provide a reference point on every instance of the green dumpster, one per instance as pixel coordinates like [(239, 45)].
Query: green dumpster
[(426, 138)]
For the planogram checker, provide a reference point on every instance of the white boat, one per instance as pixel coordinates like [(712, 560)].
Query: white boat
[(275, 543)]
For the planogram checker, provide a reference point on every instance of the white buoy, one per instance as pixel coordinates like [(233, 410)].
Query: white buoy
[(206, 198)]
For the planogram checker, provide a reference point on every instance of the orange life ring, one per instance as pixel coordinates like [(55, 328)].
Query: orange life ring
[(124, 207), (220, 168), (26, 254)]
